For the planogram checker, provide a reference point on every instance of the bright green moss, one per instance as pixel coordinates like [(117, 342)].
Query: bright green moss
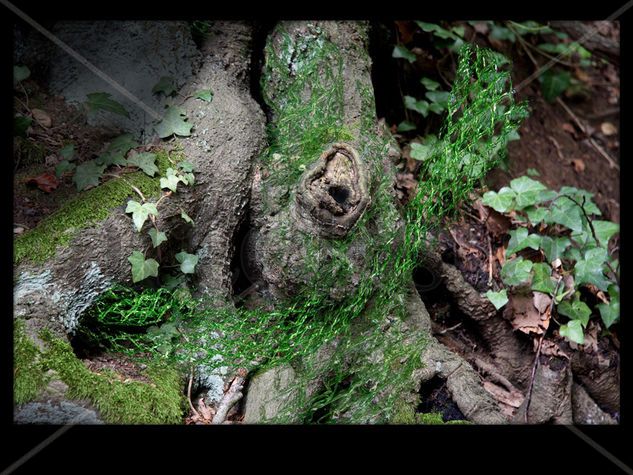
[(435, 418), (133, 402), (28, 371), (84, 210)]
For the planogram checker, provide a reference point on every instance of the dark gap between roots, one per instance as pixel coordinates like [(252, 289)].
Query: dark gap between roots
[(435, 397), (240, 261)]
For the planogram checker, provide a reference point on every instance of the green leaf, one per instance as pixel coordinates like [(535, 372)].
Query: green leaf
[(519, 239), (439, 97), (503, 201), (88, 174), (204, 94), (188, 179), (498, 299), (20, 125), (142, 268), (67, 151), (401, 51), (554, 247), (173, 123), (502, 33), (576, 310), (611, 313), (529, 192), (420, 151), (436, 108), (573, 331), (430, 84), (186, 217), (590, 269), (20, 73), (102, 101), (604, 231), (165, 85), (405, 126), (579, 196), (157, 237), (170, 181), (564, 211), (186, 166), (554, 83), (542, 280), (537, 214), (437, 30), (421, 107), (533, 172), (140, 212), (63, 167), (187, 262), (516, 271), (145, 161), (116, 151)]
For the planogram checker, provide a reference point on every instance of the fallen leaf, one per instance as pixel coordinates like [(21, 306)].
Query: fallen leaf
[(511, 398), (542, 302), (556, 263), (591, 338), (45, 182), (569, 128), (583, 76), (18, 230), (500, 255), (525, 317), (406, 30), (41, 117), (578, 164), (608, 129), (550, 348)]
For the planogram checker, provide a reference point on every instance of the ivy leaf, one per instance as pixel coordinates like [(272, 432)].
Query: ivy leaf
[(140, 212), (564, 211), (437, 30), (20, 73), (519, 240), (204, 94), (529, 192), (63, 167), (610, 313), (187, 262), (554, 83), (405, 126), (430, 84), (537, 214), (554, 247), (439, 97), (188, 179), (401, 51), (88, 174), (67, 151), (421, 107), (165, 85), (542, 280), (502, 201), (145, 161), (498, 299), (604, 231), (576, 310), (173, 123), (420, 151), (186, 217), (580, 196), (186, 166), (573, 331), (116, 151), (170, 181), (533, 172), (142, 268), (157, 237), (589, 269), (516, 271), (102, 101)]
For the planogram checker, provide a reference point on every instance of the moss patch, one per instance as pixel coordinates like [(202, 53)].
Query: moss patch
[(132, 402), (435, 418), (86, 209), (28, 369)]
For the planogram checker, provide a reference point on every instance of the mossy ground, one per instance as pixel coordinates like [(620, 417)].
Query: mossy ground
[(132, 402), (86, 209)]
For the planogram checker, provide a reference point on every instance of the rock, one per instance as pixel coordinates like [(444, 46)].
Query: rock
[(266, 396), (585, 409), (57, 413), (135, 54)]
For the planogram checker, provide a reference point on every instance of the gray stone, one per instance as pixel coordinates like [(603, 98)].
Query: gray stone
[(267, 396), (56, 412)]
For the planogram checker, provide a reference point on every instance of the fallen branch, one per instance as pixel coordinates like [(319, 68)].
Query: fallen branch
[(231, 397)]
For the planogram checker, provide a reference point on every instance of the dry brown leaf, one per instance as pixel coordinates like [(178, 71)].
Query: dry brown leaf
[(578, 164), (500, 255), (550, 348), (591, 338), (569, 128), (542, 302), (582, 75), (525, 317), (511, 398), (608, 129), (42, 117)]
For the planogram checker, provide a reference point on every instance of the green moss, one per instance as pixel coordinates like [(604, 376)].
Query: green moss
[(403, 413), (134, 402), (84, 210), (435, 418), (28, 371)]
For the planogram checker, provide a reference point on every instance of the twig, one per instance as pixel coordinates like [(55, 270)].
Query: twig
[(538, 354), (489, 261), (232, 396), (446, 330), (193, 409), (595, 145)]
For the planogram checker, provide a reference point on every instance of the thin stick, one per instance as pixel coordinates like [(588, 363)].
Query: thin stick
[(193, 409), (489, 261), (538, 354), (232, 396)]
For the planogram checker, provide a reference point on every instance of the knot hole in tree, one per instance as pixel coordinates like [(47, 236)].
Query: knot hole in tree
[(332, 193)]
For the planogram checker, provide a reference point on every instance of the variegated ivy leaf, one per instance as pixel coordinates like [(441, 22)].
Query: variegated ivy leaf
[(157, 237), (140, 212)]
